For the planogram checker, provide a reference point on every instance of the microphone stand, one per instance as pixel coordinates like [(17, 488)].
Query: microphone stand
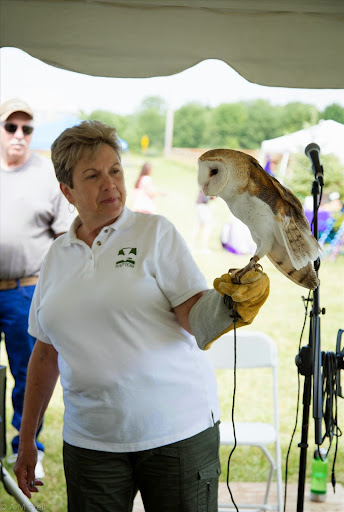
[(308, 362)]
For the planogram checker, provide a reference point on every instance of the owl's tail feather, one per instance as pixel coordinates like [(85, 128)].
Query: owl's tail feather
[(305, 276), (301, 245)]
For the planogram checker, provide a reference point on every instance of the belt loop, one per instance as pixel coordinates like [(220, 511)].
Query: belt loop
[(18, 283)]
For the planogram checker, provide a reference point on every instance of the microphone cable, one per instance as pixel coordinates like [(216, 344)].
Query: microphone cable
[(233, 305)]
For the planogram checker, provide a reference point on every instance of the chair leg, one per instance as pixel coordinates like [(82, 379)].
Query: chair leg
[(279, 479), (274, 467), (268, 484)]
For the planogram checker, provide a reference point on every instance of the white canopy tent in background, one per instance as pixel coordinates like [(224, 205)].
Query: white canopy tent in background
[(288, 43), (329, 135)]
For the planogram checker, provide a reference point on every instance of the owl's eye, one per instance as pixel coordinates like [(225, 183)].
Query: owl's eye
[(213, 172)]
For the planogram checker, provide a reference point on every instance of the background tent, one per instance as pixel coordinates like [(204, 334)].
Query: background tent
[(45, 134), (289, 43), (329, 135)]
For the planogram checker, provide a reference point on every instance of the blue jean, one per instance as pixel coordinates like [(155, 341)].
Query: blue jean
[(14, 313)]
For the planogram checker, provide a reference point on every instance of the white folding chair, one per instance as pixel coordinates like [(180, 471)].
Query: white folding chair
[(253, 350)]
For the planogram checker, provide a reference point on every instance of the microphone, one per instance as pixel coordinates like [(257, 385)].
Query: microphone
[(313, 153)]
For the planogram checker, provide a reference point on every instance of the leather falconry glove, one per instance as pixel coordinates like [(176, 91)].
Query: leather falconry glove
[(214, 313)]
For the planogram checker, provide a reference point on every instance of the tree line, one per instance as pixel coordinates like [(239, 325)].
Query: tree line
[(240, 125)]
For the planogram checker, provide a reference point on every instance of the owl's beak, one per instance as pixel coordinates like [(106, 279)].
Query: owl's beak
[(205, 187)]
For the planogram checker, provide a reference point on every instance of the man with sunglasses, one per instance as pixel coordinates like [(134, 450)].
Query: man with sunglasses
[(33, 213)]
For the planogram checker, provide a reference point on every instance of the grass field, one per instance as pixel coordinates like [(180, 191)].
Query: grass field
[(281, 317)]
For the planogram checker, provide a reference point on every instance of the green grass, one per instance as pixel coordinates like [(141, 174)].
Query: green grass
[(281, 317)]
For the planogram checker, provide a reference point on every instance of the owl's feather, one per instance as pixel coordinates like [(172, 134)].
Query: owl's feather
[(305, 276), (272, 213)]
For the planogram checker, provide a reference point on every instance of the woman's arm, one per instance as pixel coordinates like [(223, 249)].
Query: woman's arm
[(182, 311), (208, 316), (42, 375)]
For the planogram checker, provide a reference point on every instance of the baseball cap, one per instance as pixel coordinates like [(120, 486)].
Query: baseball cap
[(14, 105)]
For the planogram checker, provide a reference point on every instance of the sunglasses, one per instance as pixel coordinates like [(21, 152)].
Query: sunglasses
[(12, 128)]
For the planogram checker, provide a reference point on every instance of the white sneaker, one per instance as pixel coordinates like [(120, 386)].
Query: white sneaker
[(11, 459), (39, 470)]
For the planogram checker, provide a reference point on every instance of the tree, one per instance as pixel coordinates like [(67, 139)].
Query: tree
[(110, 118), (150, 120), (153, 102), (334, 112), (189, 125), (297, 116), (263, 122), (225, 125), (240, 125), (300, 176)]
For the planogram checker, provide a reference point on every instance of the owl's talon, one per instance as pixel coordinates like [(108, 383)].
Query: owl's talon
[(236, 278)]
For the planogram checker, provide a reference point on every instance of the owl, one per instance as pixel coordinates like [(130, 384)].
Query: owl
[(272, 213)]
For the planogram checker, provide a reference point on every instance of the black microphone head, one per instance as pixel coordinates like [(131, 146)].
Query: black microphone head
[(312, 147), (313, 153)]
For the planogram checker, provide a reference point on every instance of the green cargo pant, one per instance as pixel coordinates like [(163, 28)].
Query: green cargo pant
[(180, 477)]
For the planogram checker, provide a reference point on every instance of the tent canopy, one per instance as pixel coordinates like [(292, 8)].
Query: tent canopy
[(329, 135), (289, 43)]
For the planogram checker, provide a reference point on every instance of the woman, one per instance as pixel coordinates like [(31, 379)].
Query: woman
[(111, 316), (144, 191)]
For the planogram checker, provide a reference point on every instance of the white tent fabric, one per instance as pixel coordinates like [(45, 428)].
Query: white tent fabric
[(289, 43), (329, 135)]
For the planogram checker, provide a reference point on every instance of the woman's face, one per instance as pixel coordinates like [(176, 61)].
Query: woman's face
[(98, 191)]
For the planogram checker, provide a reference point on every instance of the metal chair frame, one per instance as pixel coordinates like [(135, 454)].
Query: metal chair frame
[(254, 350)]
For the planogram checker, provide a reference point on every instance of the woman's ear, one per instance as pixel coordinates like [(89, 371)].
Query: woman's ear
[(66, 192)]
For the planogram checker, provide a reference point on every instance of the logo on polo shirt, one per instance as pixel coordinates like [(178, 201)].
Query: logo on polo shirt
[(127, 255)]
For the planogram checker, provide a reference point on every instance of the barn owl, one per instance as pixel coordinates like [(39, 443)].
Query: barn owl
[(272, 213)]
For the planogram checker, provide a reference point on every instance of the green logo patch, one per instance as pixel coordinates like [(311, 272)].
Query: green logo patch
[(127, 255)]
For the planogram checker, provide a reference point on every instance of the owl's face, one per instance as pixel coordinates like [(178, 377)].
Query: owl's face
[(213, 176)]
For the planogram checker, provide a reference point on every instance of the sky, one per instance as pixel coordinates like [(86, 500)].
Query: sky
[(53, 92)]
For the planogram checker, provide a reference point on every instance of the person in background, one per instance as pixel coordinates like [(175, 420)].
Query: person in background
[(116, 302), (334, 203), (33, 213), (271, 166), (204, 221), (144, 191)]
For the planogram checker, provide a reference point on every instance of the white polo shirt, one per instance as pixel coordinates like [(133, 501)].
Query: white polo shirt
[(132, 377)]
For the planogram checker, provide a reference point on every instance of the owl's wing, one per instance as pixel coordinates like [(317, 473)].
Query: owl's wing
[(304, 276), (291, 224), (277, 193), (300, 244)]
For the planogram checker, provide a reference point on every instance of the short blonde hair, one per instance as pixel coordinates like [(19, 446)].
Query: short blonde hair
[(76, 142)]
